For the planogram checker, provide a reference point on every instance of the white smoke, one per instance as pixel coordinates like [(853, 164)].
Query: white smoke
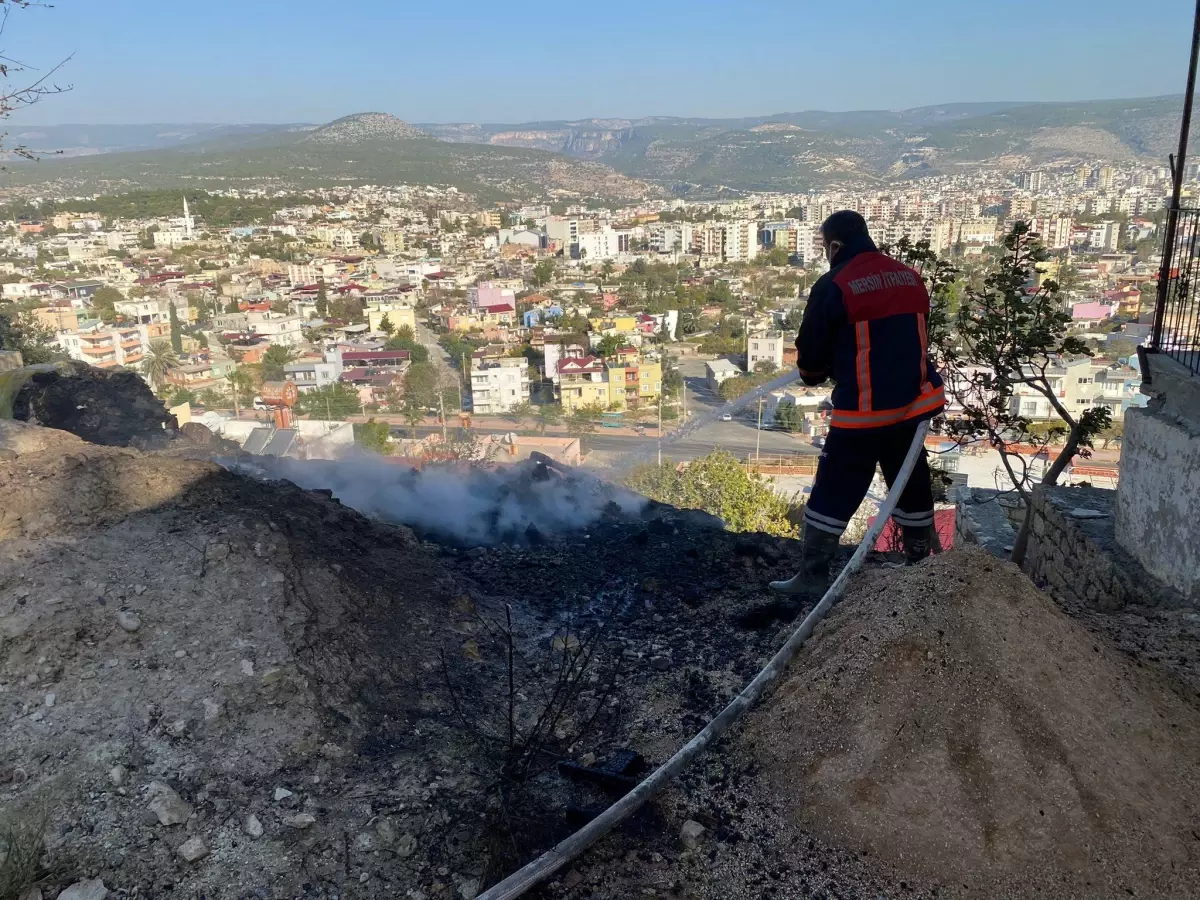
[(469, 505)]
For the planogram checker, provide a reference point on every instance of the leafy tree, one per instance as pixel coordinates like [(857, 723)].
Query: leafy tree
[(210, 398), (765, 367), (273, 361), (1009, 335), (103, 303), (776, 256), (543, 273), (28, 336), (718, 484), (374, 437), (232, 305), (789, 417), (606, 269), (403, 333), (548, 414), (202, 340), (176, 330), (181, 396), (160, 359), (386, 326), (417, 353), (609, 345), (414, 414), (321, 304), (582, 420), (334, 401), (421, 384), (281, 306), (519, 413)]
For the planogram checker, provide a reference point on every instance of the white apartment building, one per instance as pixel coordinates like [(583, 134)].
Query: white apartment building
[(278, 329), (1080, 385), (767, 347), (499, 385), (146, 311), (106, 346), (1055, 231), (600, 244), (741, 241), (671, 236)]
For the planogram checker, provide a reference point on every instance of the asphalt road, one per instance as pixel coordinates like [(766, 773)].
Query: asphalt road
[(736, 437)]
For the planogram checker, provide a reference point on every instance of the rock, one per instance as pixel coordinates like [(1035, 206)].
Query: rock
[(33, 893), (406, 846), (572, 879), (588, 759), (247, 667), (50, 699), (117, 775), (212, 709), (299, 821), (139, 589), (180, 654), (128, 621), (168, 806), (88, 889), (660, 663), (364, 842), (252, 826), (386, 832), (282, 794), (1083, 512), (193, 849), (468, 888), (690, 834)]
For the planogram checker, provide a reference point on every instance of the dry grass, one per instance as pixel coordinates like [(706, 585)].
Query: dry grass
[(21, 844)]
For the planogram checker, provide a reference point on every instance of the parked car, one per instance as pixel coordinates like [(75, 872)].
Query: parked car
[(259, 404), (726, 418)]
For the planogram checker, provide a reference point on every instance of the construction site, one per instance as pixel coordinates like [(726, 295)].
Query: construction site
[(236, 676)]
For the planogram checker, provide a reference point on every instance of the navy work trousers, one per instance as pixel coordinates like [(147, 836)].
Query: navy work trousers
[(847, 466)]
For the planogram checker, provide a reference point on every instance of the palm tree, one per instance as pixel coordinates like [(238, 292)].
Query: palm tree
[(160, 359)]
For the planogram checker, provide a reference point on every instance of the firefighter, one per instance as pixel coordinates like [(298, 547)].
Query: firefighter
[(864, 329)]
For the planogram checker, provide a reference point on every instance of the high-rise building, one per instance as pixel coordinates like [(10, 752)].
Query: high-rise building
[(1104, 178)]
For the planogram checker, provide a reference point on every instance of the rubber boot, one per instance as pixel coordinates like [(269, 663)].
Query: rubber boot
[(813, 578), (918, 542)]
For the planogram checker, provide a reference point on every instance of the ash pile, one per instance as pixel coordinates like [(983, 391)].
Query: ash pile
[(468, 505)]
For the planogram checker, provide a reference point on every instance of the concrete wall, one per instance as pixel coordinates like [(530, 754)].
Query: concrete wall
[(1158, 507)]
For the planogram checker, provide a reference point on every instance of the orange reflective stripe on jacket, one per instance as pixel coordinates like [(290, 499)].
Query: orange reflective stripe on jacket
[(928, 403)]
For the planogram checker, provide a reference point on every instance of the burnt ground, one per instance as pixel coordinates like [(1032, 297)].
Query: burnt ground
[(295, 659)]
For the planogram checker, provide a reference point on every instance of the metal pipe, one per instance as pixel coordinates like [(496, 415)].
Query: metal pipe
[(1164, 272), (565, 852)]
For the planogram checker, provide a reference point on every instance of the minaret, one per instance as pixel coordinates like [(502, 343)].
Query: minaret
[(187, 221)]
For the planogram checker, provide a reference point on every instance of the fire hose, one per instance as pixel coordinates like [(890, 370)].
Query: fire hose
[(569, 849)]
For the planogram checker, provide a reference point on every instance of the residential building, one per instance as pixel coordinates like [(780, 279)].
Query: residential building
[(766, 347), (106, 346), (311, 374), (558, 347), (398, 315), (282, 330), (582, 382), (720, 370), (499, 385)]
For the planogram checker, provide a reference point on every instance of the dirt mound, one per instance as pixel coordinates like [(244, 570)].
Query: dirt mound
[(182, 648), (951, 720), (114, 407)]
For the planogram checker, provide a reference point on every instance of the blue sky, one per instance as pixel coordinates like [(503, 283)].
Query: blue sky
[(141, 61)]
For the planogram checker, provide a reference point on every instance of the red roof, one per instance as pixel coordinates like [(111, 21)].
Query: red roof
[(499, 308), (574, 364), (366, 356)]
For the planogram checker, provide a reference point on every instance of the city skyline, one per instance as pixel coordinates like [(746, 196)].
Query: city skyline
[(270, 63)]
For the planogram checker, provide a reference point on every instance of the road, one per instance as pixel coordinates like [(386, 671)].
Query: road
[(736, 437)]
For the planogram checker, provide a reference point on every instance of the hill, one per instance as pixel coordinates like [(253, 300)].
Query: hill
[(794, 151), (619, 158), (361, 149)]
